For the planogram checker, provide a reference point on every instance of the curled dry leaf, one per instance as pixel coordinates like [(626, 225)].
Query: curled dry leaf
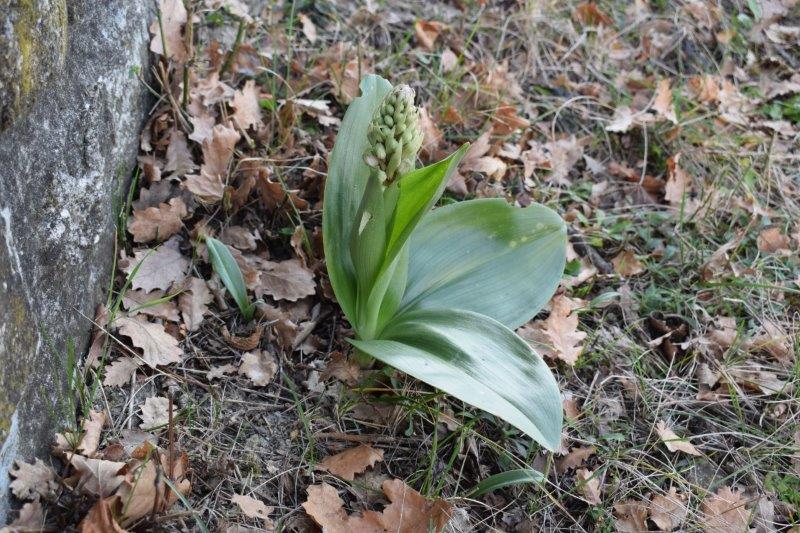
[(724, 512), (589, 485), (100, 518), (308, 27), (92, 429), (179, 157), (209, 185), (342, 369), (427, 32), (96, 477), (588, 14), (408, 512), (247, 110), (158, 347), (159, 268), (253, 508), (667, 511), (673, 442), (247, 343), (662, 104), (173, 16), (775, 341), (558, 336), (31, 518), (238, 237), (506, 120), (157, 223), (144, 490), (773, 241), (118, 373), (351, 461), (575, 458), (155, 412), (259, 367), (448, 60), (33, 480), (630, 516), (193, 303), (626, 264), (218, 372), (678, 182), (286, 280), (432, 136)]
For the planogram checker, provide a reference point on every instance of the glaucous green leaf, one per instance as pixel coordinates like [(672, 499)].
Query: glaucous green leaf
[(368, 235), (505, 479), (229, 272), (418, 192), (488, 257), (477, 360), (344, 187)]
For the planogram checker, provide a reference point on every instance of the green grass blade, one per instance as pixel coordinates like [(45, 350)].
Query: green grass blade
[(505, 479)]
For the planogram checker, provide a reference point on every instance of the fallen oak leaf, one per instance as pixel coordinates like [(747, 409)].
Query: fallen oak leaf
[(588, 485), (160, 222), (286, 280), (673, 442), (247, 110), (626, 264), (96, 477), (724, 512), (351, 461), (157, 269), (150, 303), (155, 412), (668, 511), (630, 516), (247, 343), (575, 458), (772, 241), (32, 480), (172, 18), (119, 372), (558, 336), (259, 367), (92, 429), (253, 508), (193, 303), (427, 32), (158, 347), (662, 104), (31, 518), (100, 518)]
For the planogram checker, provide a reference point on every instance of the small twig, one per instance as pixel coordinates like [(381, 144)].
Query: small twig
[(579, 243), (388, 439)]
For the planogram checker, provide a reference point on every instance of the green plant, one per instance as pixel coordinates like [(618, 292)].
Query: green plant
[(228, 271), (437, 294)]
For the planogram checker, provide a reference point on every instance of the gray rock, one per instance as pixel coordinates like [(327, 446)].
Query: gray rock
[(71, 106)]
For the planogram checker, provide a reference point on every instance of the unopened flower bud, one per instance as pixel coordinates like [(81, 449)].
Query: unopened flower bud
[(394, 135)]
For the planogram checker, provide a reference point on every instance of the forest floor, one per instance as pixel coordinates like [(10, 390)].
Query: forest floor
[(666, 135)]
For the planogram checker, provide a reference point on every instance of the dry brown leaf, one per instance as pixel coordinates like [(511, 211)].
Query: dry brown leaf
[(33, 480), (96, 476), (209, 185), (775, 341), (160, 222), (140, 301), (286, 280), (100, 518), (575, 458), (773, 241), (238, 237), (173, 17), (408, 512), (218, 372), (630, 516), (662, 104), (193, 303), (179, 157), (673, 442), (588, 485), (253, 508), (558, 336), (705, 88), (247, 110), (202, 128), (308, 27), (626, 264), (158, 347), (92, 429), (725, 512), (259, 367), (668, 511), (762, 381), (431, 134), (427, 32), (448, 60), (144, 490), (506, 120), (342, 369), (351, 461), (678, 185), (31, 518), (588, 14), (155, 412), (118, 373), (157, 269), (244, 343)]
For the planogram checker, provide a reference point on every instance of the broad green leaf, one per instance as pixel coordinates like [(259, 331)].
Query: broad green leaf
[(368, 235), (231, 275), (477, 360), (418, 192), (344, 187), (505, 479), (486, 256)]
